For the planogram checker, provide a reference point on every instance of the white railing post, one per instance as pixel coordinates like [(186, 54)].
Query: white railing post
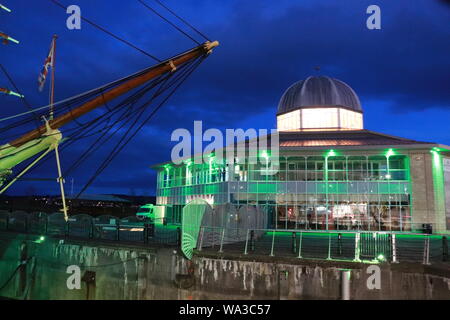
[(394, 249), (273, 242), (221, 242), (357, 238), (300, 246), (202, 231), (246, 242), (329, 246)]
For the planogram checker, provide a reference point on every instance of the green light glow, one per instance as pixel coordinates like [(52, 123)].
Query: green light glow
[(40, 239), (390, 152), (11, 93), (381, 257), (331, 153), (11, 39), (5, 8), (264, 154)]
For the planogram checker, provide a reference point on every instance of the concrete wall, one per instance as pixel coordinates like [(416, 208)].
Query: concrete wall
[(220, 279), (121, 272), (426, 203), (162, 273)]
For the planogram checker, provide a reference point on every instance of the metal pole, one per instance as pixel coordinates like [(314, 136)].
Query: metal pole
[(426, 251), (357, 238), (394, 249), (221, 242), (202, 231), (300, 246), (61, 183), (345, 284), (294, 242), (273, 242), (340, 244), (52, 92), (329, 246), (246, 242)]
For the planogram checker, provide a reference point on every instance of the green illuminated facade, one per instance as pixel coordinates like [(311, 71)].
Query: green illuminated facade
[(334, 178)]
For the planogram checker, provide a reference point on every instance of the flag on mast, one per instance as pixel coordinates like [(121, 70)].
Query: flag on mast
[(49, 63)]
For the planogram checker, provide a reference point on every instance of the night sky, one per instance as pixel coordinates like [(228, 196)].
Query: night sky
[(401, 72)]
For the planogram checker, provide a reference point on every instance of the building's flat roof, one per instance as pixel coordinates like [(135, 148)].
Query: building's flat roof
[(344, 139)]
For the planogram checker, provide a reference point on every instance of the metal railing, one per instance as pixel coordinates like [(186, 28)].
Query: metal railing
[(356, 246), (349, 245), (83, 226)]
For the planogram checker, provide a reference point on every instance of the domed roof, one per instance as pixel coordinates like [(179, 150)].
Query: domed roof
[(318, 91)]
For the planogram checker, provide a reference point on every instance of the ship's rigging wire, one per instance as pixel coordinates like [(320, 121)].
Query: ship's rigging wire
[(119, 147), (72, 100), (99, 141), (167, 20), (91, 128), (110, 33), (65, 105), (125, 103), (16, 88), (182, 20), (86, 130)]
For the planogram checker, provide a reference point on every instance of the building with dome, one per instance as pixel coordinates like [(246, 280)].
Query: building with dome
[(333, 173)]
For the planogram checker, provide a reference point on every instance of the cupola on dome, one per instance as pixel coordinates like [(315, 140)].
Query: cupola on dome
[(319, 103)]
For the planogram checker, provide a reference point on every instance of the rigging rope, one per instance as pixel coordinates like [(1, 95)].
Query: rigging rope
[(119, 147), (182, 20), (110, 33), (24, 100), (88, 93), (93, 124), (91, 149), (168, 21)]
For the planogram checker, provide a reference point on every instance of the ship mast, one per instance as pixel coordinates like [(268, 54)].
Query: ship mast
[(56, 145), (46, 138), (158, 70)]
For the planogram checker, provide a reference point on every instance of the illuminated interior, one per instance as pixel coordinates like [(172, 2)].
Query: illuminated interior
[(320, 119), (332, 191)]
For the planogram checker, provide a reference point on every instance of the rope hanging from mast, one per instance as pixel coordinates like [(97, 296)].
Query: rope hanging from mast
[(182, 20), (110, 33), (168, 21)]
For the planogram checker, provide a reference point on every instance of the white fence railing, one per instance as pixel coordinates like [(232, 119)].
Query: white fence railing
[(356, 246)]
